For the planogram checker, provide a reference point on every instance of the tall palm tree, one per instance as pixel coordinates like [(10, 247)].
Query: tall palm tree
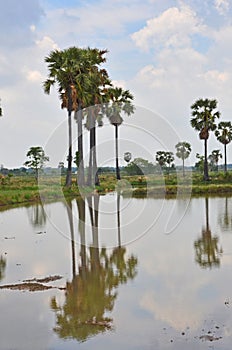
[(62, 71), (121, 101), (183, 150), (203, 120), (224, 135)]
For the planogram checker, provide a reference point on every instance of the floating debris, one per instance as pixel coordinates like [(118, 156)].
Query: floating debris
[(45, 279), (208, 337)]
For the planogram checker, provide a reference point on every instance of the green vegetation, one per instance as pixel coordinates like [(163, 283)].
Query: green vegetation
[(37, 159), (24, 189)]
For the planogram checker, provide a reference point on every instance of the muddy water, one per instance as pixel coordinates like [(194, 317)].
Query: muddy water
[(117, 273)]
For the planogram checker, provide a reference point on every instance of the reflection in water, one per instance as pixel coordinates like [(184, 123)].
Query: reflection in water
[(2, 267), (37, 215), (207, 253), (225, 219), (91, 294)]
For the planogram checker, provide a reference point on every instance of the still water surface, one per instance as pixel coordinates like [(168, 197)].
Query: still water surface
[(134, 274)]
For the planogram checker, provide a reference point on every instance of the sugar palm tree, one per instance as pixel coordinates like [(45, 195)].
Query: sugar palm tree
[(73, 71), (121, 101), (62, 71), (94, 116), (224, 135), (183, 150), (203, 119)]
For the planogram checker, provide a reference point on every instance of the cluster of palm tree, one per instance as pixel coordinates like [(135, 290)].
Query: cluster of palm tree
[(86, 91), (204, 117)]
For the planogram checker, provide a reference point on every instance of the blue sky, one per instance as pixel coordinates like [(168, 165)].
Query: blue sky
[(167, 53)]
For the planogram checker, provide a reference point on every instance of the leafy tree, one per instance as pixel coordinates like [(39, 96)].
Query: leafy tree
[(224, 135), (165, 159), (140, 166), (37, 159), (0, 110), (203, 119), (200, 164), (214, 159), (121, 101), (183, 150)]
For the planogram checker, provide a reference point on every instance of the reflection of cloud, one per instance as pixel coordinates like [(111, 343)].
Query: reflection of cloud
[(176, 314)]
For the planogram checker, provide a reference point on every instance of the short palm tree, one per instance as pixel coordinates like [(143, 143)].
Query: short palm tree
[(203, 119), (183, 150), (224, 135), (121, 101)]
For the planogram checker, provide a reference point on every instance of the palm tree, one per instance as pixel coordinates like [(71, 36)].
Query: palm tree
[(73, 71), (203, 120), (121, 101), (224, 135), (183, 150), (62, 71)]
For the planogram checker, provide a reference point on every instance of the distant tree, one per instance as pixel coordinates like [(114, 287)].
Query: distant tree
[(183, 150), (165, 159), (214, 159), (37, 159), (140, 166), (127, 156), (200, 164), (224, 135), (61, 167), (0, 110), (203, 119)]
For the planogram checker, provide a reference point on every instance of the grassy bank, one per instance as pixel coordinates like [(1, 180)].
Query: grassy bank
[(14, 190)]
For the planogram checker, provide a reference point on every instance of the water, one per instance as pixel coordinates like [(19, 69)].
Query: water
[(134, 274)]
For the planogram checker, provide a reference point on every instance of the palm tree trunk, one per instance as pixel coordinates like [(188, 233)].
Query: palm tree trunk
[(90, 170), (116, 153), (206, 172), (183, 168), (80, 173), (69, 170), (225, 165), (95, 172)]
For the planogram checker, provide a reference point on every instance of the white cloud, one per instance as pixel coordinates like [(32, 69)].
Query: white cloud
[(34, 76), (47, 43), (222, 6), (171, 29)]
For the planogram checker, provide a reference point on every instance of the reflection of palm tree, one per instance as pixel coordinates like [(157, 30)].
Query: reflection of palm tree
[(225, 219), (92, 291), (37, 215), (70, 219), (206, 247), (2, 267)]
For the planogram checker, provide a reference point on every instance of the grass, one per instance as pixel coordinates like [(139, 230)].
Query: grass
[(14, 190)]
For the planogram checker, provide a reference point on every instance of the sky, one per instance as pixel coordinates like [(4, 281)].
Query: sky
[(168, 53)]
